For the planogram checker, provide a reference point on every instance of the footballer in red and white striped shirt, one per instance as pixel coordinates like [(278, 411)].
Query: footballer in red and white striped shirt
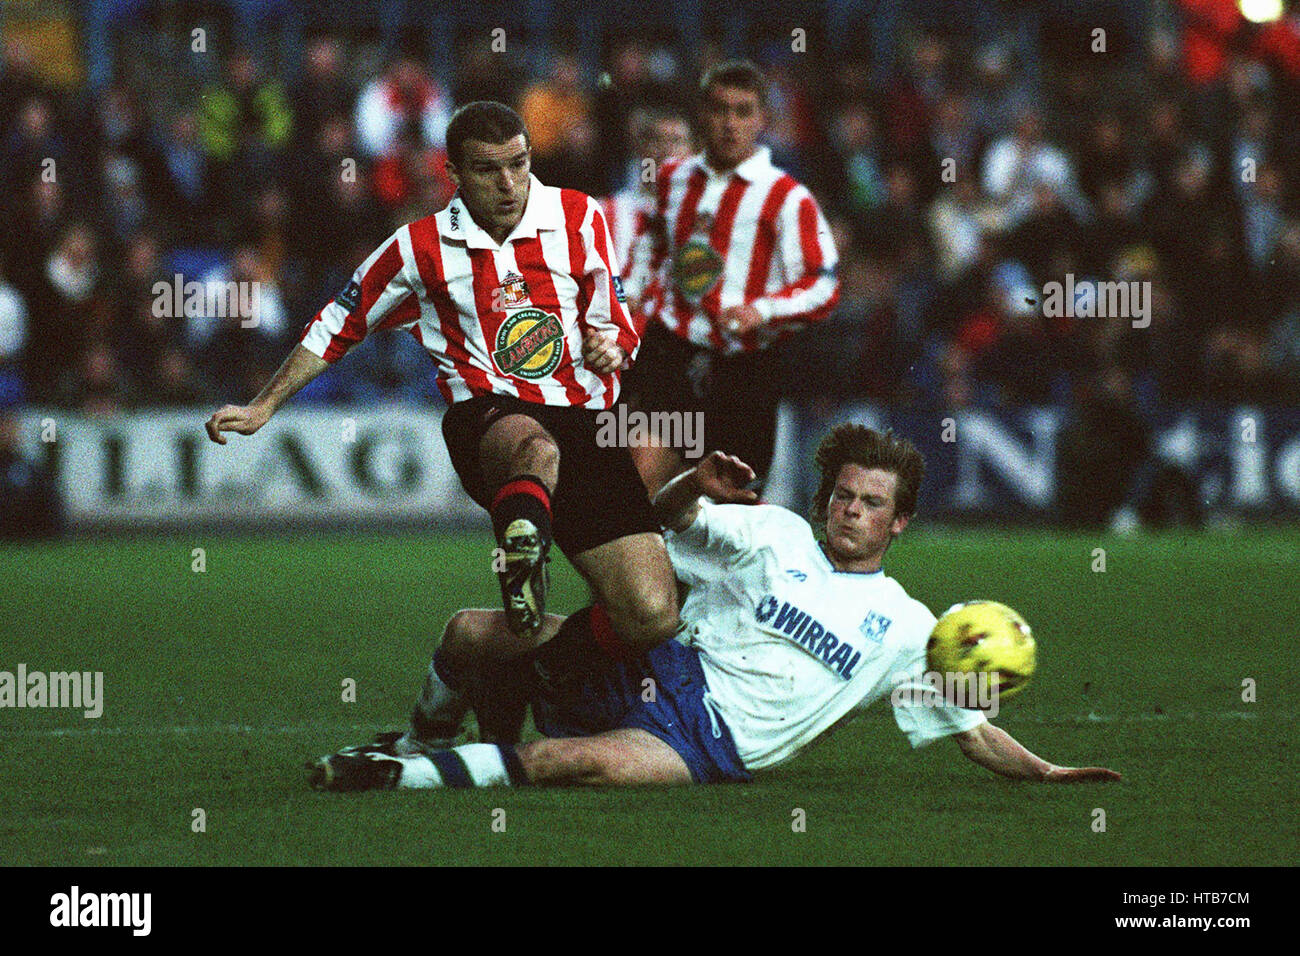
[(506, 318), (737, 257), (515, 293), (659, 136)]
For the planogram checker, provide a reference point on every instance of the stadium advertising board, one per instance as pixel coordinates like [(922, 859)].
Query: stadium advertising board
[(305, 465), (347, 466), (1241, 461)]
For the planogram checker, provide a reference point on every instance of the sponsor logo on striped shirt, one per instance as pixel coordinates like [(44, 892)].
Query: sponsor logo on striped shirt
[(529, 344)]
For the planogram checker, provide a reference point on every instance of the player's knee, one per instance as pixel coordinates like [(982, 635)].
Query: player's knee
[(647, 618), (466, 635), (537, 454)]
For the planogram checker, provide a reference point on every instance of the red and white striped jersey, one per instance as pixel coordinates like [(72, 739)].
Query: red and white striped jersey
[(627, 213), (505, 319), (751, 236)]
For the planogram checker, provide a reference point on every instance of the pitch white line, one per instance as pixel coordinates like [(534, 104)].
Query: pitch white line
[(177, 730)]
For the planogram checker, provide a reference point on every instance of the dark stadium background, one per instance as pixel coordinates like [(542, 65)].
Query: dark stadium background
[(224, 163)]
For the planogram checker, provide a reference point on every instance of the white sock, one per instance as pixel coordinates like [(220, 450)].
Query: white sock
[(439, 709), (470, 765)]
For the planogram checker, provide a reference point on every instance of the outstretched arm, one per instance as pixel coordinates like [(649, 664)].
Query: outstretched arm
[(720, 477), (995, 749), (298, 369)]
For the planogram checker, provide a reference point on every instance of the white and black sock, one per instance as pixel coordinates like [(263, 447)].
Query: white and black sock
[(470, 765), (442, 705)]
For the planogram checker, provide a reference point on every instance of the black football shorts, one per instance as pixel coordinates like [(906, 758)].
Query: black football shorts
[(599, 496)]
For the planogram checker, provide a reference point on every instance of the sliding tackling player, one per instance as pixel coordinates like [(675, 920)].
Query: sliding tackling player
[(782, 638)]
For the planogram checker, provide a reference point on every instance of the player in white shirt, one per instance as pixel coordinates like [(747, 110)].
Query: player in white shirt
[(783, 636)]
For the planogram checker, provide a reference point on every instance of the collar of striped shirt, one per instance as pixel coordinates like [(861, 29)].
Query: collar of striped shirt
[(750, 170), (545, 210)]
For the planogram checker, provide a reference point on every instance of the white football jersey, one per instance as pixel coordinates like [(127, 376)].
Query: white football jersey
[(789, 645)]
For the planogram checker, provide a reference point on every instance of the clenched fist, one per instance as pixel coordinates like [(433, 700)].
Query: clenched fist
[(602, 354)]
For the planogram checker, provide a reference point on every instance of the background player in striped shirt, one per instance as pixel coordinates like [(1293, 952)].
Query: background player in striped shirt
[(737, 256), (784, 637), (513, 290), (659, 135)]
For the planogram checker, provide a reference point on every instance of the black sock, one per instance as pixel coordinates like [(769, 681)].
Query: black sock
[(523, 496)]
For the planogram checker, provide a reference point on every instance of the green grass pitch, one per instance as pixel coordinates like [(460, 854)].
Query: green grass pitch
[(218, 685)]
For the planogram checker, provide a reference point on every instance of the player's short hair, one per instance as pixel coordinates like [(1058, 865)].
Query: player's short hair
[(859, 445), (486, 121), (735, 74)]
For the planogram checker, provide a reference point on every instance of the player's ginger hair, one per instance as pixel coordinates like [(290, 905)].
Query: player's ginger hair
[(859, 445)]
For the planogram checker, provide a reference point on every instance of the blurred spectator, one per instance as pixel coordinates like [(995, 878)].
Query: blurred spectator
[(13, 338), (960, 219), (631, 89), (1263, 213), (29, 502), (485, 74), (1109, 159), (1047, 230), (1000, 95), (238, 337), (856, 138), (126, 206), (244, 125), (185, 196), (322, 92), (899, 219), (245, 112), (33, 140), (953, 134), (176, 381), (18, 80), (1100, 452), (403, 104), (97, 385), (552, 109), (72, 308), (1016, 165), (1282, 280)]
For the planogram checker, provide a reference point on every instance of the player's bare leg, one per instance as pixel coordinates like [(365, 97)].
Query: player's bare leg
[(620, 758), (521, 464), (481, 651), (635, 609), (476, 666), (635, 584)]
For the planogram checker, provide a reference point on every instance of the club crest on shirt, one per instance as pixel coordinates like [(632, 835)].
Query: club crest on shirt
[(874, 625), (529, 344), (514, 291), (696, 268)]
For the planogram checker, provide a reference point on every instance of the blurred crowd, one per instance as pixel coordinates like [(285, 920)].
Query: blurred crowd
[(967, 155)]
